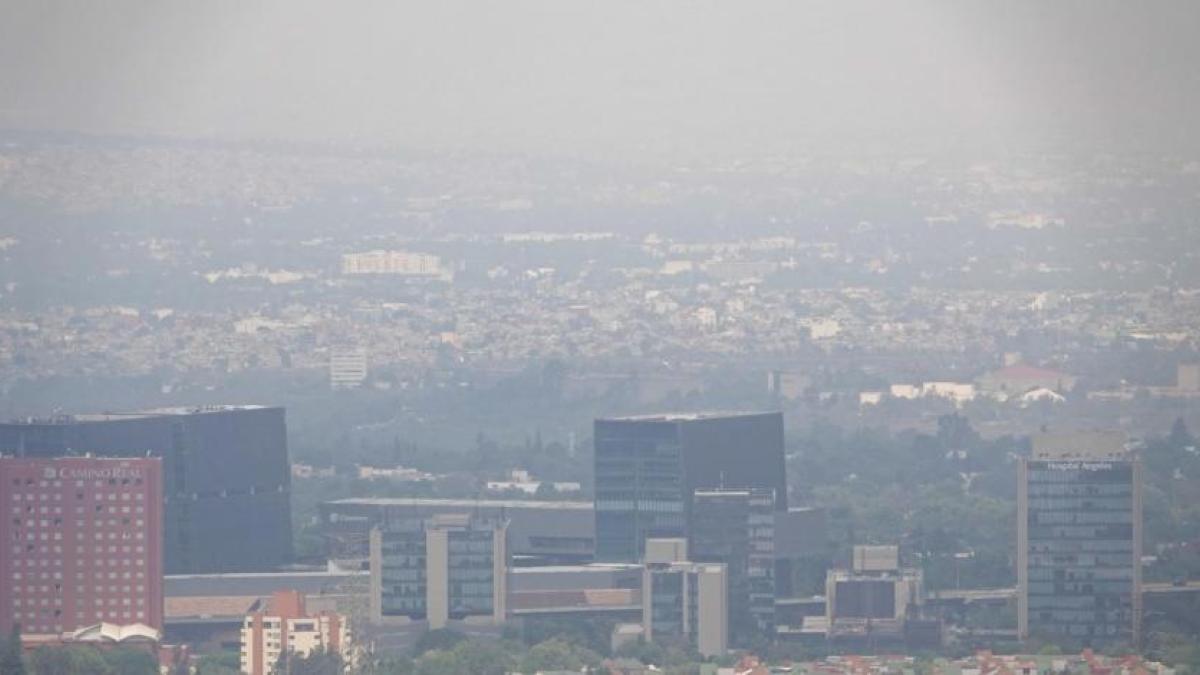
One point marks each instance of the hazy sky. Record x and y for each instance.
(613, 75)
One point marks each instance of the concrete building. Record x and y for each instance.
(226, 480)
(520, 480)
(452, 567)
(647, 469)
(400, 263)
(1187, 377)
(1079, 540)
(597, 576)
(347, 368)
(285, 629)
(539, 532)
(207, 611)
(82, 543)
(737, 528)
(874, 599)
(801, 547)
(1015, 380)
(683, 600)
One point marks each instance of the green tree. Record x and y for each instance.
(438, 662)
(1184, 657)
(442, 639)
(545, 490)
(11, 662)
(486, 657)
(1050, 649)
(649, 653)
(385, 665)
(127, 661)
(224, 663)
(316, 662)
(73, 660)
(558, 654)
(1180, 436)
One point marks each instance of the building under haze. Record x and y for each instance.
(1079, 539)
(347, 368)
(286, 629)
(453, 567)
(648, 468)
(226, 481)
(684, 600)
(539, 532)
(82, 543)
(737, 528)
(875, 601)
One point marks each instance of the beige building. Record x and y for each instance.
(347, 368)
(875, 597)
(402, 263)
(1187, 377)
(452, 568)
(1014, 380)
(682, 599)
(284, 628)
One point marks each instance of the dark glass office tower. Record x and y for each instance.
(737, 528)
(648, 468)
(1079, 549)
(226, 479)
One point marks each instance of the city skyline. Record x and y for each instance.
(679, 337)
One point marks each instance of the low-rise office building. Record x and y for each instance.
(539, 532)
(683, 600)
(453, 567)
(874, 599)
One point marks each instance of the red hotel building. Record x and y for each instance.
(80, 543)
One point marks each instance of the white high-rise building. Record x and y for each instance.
(402, 263)
(347, 368)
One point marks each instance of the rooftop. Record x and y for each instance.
(253, 584)
(575, 569)
(66, 419)
(466, 503)
(687, 417)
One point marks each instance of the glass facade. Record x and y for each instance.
(226, 478)
(471, 572)
(1080, 550)
(737, 527)
(402, 572)
(666, 603)
(685, 603)
(639, 487)
(865, 599)
(413, 583)
(648, 468)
